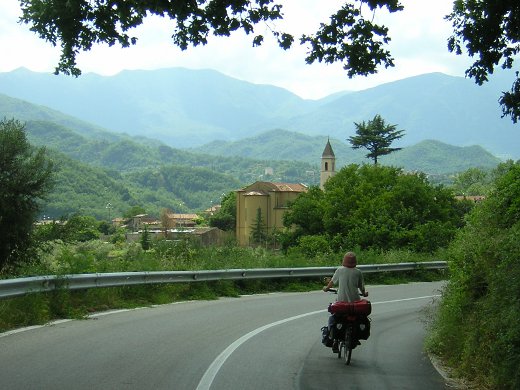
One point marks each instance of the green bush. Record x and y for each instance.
(311, 246)
(478, 327)
(376, 207)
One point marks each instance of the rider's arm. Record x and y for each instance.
(329, 285)
(361, 286)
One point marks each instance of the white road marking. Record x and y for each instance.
(406, 299)
(212, 371)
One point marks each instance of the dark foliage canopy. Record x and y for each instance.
(25, 179)
(490, 31)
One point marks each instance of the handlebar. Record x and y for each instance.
(335, 291)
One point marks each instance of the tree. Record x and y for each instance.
(306, 213)
(380, 207)
(133, 211)
(376, 136)
(473, 181)
(258, 234)
(146, 240)
(106, 228)
(226, 217)
(80, 228)
(26, 177)
(489, 30)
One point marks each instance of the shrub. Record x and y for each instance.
(311, 246)
(478, 328)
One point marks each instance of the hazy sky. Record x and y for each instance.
(419, 35)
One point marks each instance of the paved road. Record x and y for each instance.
(258, 342)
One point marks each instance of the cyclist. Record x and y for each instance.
(350, 281)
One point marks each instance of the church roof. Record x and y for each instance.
(328, 152)
(264, 187)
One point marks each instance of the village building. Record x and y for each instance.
(140, 221)
(272, 199)
(182, 220)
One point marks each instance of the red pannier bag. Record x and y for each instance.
(361, 307)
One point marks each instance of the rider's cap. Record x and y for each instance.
(349, 260)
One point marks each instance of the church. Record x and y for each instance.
(272, 199)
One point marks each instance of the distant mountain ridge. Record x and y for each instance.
(187, 108)
(99, 147)
(177, 106)
(96, 167)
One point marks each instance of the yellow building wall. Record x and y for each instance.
(273, 205)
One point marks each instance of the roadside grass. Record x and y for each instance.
(92, 257)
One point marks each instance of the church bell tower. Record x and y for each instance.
(328, 162)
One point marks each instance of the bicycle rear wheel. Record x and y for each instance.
(347, 345)
(340, 348)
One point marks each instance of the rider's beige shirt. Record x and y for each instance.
(350, 280)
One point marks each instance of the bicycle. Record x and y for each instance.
(351, 323)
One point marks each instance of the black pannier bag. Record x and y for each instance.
(325, 339)
(363, 328)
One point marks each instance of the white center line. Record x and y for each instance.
(213, 369)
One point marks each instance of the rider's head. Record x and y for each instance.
(349, 260)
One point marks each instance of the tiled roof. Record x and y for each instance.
(264, 187)
(328, 152)
(296, 187)
(182, 216)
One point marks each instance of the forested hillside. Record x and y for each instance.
(87, 190)
(91, 173)
(435, 157)
(127, 154)
(428, 156)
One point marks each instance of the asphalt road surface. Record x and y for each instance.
(270, 341)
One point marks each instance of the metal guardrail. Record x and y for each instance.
(16, 287)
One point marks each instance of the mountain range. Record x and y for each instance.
(96, 167)
(186, 108)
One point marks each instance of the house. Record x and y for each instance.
(271, 199)
(118, 222)
(138, 222)
(181, 220)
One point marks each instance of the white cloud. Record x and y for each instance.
(418, 45)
